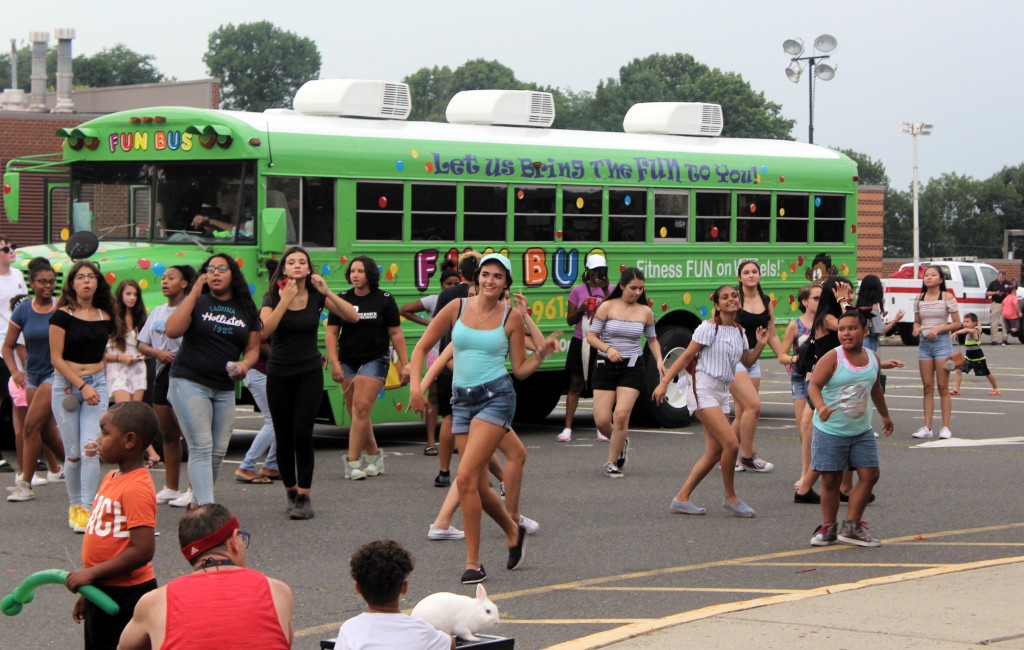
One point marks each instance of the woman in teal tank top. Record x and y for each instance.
(483, 399)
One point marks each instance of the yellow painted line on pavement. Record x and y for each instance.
(577, 584)
(917, 542)
(865, 564)
(737, 590)
(609, 637)
(576, 621)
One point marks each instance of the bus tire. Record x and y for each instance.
(906, 334)
(664, 415)
(538, 395)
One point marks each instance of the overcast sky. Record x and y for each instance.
(941, 62)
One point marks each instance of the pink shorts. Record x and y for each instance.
(17, 394)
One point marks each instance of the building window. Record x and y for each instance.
(379, 211)
(581, 214)
(791, 222)
(535, 214)
(485, 212)
(433, 212)
(627, 215)
(713, 216)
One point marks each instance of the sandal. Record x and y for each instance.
(995, 392)
(430, 450)
(953, 391)
(243, 476)
(273, 476)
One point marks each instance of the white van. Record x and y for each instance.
(967, 279)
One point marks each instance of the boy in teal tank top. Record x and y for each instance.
(842, 382)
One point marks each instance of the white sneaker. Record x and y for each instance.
(56, 477)
(183, 500)
(601, 437)
(38, 480)
(945, 433)
(530, 525)
(451, 533)
(167, 494)
(21, 492)
(565, 436)
(374, 464)
(924, 432)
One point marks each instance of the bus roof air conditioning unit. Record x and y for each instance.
(502, 108)
(674, 118)
(354, 98)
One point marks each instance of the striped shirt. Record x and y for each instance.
(623, 335)
(935, 313)
(723, 348)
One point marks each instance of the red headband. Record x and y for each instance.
(213, 540)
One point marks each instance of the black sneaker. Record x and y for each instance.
(611, 470)
(621, 461)
(5, 467)
(845, 498)
(809, 497)
(443, 480)
(473, 576)
(517, 553)
(303, 508)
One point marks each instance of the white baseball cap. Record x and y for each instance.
(596, 261)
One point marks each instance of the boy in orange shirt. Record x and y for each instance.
(119, 540)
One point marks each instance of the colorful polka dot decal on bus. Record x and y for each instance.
(399, 165)
(158, 269)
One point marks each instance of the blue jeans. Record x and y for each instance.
(264, 442)
(78, 427)
(207, 416)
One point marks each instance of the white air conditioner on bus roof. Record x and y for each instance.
(674, 118)
(354, 98)
(501, 108)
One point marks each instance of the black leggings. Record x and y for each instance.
(294, 401)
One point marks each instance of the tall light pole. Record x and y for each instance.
(794, 47)
(915, 129)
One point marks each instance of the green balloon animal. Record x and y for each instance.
(25, 592)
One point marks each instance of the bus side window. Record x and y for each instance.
(753, 217)
(792, 218)
(485, 212)
(433, 212)
(627, 215)
(379, 208)
(671, 216)
(535, 214)
(713, 218)
(829, 219)
(581, 214)
(309, 209)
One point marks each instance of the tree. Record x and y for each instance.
(432, 88)
(117, 66)
(24, 56)
(870, 171)
(680, 78)
(260, 66)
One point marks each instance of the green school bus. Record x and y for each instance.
(343, 174)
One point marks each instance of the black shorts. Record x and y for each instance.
(609, 375)
(161, 382)
(103, 630)
(979, 366)
(444, 394)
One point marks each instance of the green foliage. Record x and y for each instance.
(431, 89)
(117, 66)
(25, 68)
(871, 171)
(260, 66)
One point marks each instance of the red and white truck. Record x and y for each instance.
(967, 279)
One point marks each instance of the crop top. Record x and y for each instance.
(750, 322)
(623, 335)
(84, 340)
(479, 355)
(935, 313)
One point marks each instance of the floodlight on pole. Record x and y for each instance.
(915, 129)
(794, 47)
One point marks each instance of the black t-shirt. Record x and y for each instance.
(85, 341)
(457, 292)
(368, 338)
(294, 348)
(218, 333)
(1003, 288)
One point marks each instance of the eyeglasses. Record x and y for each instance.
(223, 268)
(86, 276)
(41, 281)
(745, 260)
(9, 248)
(244, 536)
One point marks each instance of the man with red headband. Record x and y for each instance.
(243, 603)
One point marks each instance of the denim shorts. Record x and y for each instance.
(34, 380)
(378, 369)
(831, 453)
(939, 347)
(799, 386)
(493, 401)
(754, 371)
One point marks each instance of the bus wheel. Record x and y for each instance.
(906, 334)
(538, 395)
(673, 341)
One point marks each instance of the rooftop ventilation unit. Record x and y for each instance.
(354, 98)
(674, 118)
(502, 108)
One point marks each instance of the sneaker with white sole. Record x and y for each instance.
(621, 461)
(72, 516)
(565, 436)
(825, 535)
(856, 533)
(611, 470)
(21, 492)
(451, 533)
(55, 477)
(923, 432)
(38, 480)
(354, 471)
(530, 525)
(945, 433)
(81, 520)
(756, 464)
(183, 500)
(501, 489)
(374, 464)
(167, 494)
(601, 437)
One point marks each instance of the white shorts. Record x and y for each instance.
(712, 392)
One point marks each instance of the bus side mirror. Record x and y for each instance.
(272, 231)
(12, 189)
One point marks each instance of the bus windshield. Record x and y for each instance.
(165, 202)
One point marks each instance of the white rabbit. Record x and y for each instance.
(458, 615)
